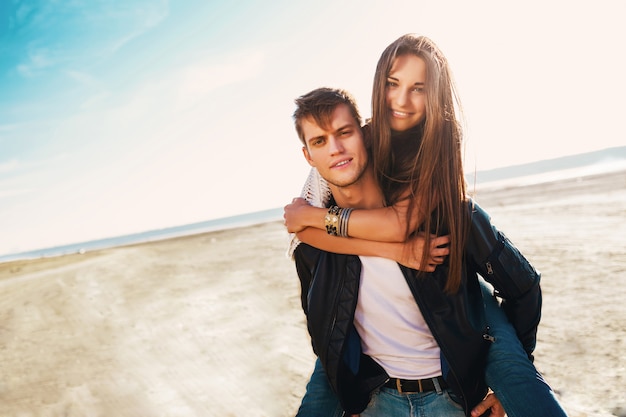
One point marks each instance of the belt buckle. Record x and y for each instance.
(399, 386)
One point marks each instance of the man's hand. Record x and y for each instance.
(491, 403)
(410, 253)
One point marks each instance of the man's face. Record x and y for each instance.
(338, 152)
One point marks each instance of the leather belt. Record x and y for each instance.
(418, 385)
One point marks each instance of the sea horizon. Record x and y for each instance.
(581, 165)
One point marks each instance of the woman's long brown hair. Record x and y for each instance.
(434, 176)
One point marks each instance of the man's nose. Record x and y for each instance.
(335, 145)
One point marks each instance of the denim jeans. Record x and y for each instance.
(389, 402)
(320, 399)
(510, 374)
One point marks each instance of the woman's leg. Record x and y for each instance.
(320, 399)
(510, 374)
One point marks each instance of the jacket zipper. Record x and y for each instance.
(442, 347)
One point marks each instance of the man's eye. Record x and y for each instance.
(318, 142)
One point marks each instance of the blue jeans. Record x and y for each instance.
(509, 373)
(389, 402)
(320, 399)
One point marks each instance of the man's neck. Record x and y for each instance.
(364, 194)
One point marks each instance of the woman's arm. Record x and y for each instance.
(408, 254)
(387, 224)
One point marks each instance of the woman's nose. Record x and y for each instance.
(401, 98)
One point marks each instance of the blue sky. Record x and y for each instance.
(123, 116)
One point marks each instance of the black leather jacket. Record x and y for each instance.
(330, 284)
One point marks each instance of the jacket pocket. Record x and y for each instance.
(508, 270)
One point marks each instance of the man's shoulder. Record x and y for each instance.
(306, 253)
(305, 249)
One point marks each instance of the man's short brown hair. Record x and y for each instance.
(320, 104)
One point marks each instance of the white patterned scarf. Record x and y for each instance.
(317, 193)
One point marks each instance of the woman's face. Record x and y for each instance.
(406, 97)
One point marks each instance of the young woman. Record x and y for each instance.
(416, 152)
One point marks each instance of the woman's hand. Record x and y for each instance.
(295, 215)
(410, 253)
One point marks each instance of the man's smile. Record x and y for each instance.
(341, 163)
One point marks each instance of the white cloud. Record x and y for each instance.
(82, 77)
(22, 11)
(131, 19)
(38, 60)
(158, 105)
(105, 28)
(9, 166)
(197, 80)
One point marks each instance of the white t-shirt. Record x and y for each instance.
(391, 326)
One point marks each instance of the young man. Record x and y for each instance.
(386, 338)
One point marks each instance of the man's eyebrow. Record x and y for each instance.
(344, 127)
(339, 129)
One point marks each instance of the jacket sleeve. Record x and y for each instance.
(514, 279)
(305, 257)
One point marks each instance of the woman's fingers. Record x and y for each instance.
(439, 241)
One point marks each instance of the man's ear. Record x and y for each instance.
(307, 156)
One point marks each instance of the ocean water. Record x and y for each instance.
(608, 160)
(242, 220)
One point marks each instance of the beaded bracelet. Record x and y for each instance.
(331, 220)
(336, 221)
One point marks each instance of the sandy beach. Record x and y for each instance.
(211, 325)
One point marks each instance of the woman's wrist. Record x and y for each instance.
(336, 221)
(314, 217)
